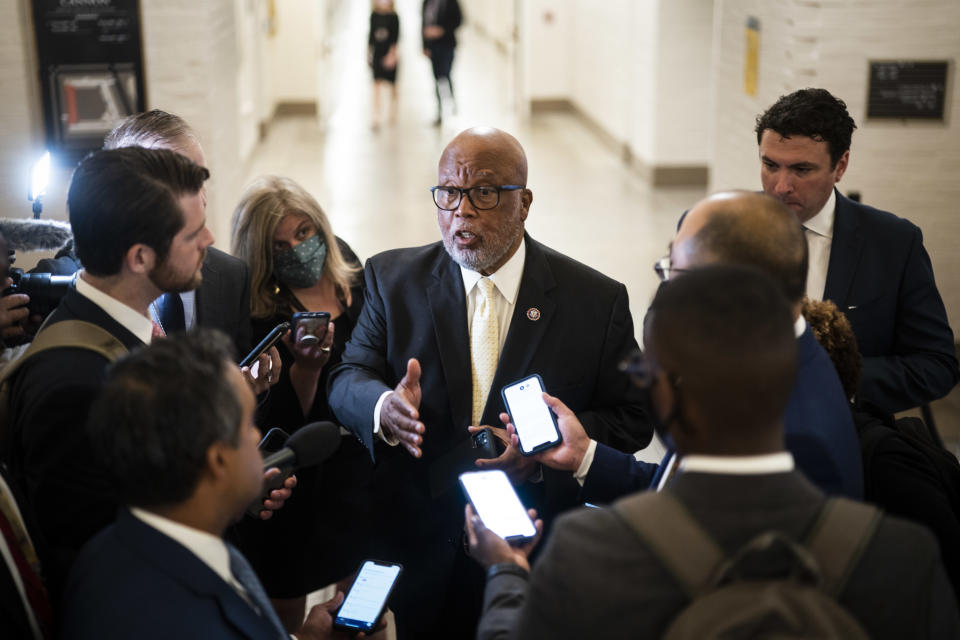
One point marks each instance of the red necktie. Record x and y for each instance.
(32, 584)
(158, 331)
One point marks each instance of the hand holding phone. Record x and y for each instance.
(535, 424)
(496, 503)
(270, 340)
(309, 327)
(367, 598)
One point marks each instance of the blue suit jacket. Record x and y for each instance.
(818, 426)
(880, 276)
(132, 581)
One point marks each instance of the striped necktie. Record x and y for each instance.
(484, 346)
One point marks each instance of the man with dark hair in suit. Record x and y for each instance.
(444, 327)
(174, 428)
(720, 356)
(870, 263)
(139, 226)
(749, 229)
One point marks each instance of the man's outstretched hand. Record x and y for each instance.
(400, 412)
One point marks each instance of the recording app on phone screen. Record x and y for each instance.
(367, 595)
(530, 414)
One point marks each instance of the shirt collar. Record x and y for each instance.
(506, 278)
(209, 548)
(822, 223)
(128, 317)
(799, 326)
(781, 462)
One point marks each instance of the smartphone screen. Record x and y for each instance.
(535, 424)
(497, 504)
(364, 603)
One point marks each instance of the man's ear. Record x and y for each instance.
(140, 258)
(841, 167)
(526, 199)
(218, 460)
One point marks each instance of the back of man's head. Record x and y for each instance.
(122, 197)
(160, 410)
(724, 336)
(753, 229)
(814, 113)
(150, 129)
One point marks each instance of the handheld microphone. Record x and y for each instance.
(308, 446)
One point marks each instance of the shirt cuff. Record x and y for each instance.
(506, 567)
(389, 439)
(580, 475)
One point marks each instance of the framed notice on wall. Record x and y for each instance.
(91, 69)
(915, 90)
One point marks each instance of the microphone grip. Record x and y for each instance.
(285, 460)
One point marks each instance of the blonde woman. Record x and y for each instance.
(298, 264)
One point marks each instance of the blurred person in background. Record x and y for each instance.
(382, 55)
(440, 20)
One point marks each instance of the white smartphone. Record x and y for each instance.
(535, 423)
(497, 504)
(367, 598)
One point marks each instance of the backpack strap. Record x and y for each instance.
(838, 539)
(77, 334)
(688, 552)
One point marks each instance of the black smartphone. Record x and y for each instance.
(314, 326)
(271, 339)
(496, 502)
(271, 442)
(365, 602)
(535, 423)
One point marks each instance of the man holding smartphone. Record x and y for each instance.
(444, 327)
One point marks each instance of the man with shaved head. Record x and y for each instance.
(740, 228)
(443, 329)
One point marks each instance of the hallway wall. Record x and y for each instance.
(908, 167)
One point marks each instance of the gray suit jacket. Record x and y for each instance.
(223, 298)
(596, 578)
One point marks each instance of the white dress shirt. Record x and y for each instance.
(129, 318)
(819, 232)
(506, 281)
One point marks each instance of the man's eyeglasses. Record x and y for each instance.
(665, 270)
(482, 198)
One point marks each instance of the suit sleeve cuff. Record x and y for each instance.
(580, 475)
(506, 568)
(389, 439)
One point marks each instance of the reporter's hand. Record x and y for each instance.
(319, 622)
(268, 372)
(488, 549)
(400, 412)
(519, 468)
(567, 455)
(310, 358)
(13, 312)
(277, 497)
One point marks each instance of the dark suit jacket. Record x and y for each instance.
(819, 432)
(415, 306)
(48, 455)
(223, 298)
(597, 579)
(880, 276)
(132, 581)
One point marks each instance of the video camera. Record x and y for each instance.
(45, 289)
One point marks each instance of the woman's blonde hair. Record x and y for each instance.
(266, 202)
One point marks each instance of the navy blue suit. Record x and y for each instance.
(132, 581)
(880, 276)
(819, 432)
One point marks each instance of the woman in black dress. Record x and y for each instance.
(298, 264)
(382, 54)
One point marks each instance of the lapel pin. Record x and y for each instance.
(533, 314)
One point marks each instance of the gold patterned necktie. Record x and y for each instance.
(484, 346)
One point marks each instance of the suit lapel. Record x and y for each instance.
(845, 252)
(172, 558)
(448, 309)
(526, 329)
(206, 294)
